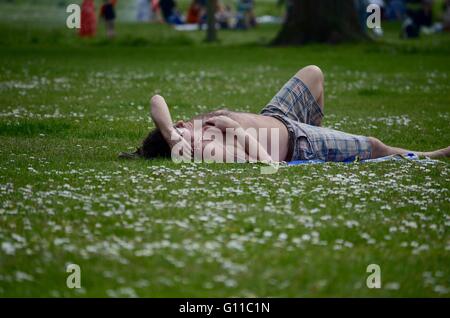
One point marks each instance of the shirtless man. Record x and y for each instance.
(295, 113)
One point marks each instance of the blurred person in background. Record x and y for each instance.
(108, 14)
(156, 11)
(245, 14)
(224, 16)
(88, 19)
(193, 14)
(202, 13)
(143, 12)
(167, 9)
(395, 10)
(170, 12)
(176, 18)
(419, 16)
(446, 16)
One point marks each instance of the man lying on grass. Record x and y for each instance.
(288, 129)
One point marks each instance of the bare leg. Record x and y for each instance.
(313, 77)
(379, 149)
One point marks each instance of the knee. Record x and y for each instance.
(314, 72)
(376, 145)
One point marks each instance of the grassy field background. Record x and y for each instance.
(155, 228)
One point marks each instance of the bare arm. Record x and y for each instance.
(246, 140)
(159, 111)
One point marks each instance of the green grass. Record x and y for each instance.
(155, 228)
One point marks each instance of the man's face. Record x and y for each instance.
(186, 131)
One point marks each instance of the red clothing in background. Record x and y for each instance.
(88, 18)
(193, 14)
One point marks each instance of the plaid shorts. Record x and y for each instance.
(296, 107)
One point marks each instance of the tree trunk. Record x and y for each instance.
(323, 21)
(211, 34)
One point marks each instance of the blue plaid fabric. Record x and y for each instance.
(296, 107)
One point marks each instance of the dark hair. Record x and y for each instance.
(154, 146)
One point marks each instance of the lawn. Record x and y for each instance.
(160, 229)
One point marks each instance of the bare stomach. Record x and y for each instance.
(271, 133)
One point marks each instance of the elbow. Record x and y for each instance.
(156, 99)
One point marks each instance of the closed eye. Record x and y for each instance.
(178, 130)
